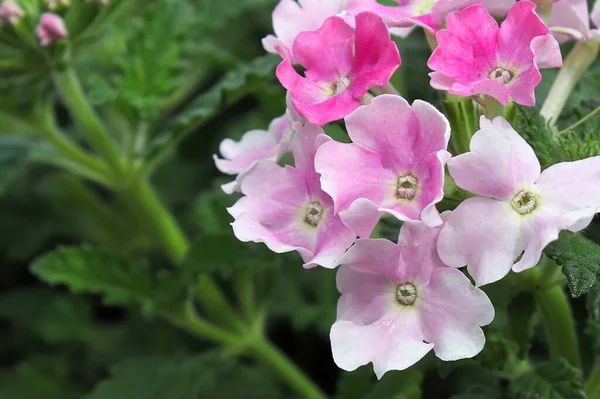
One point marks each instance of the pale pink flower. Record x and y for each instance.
(474, 56)
(341, 65)
(10, 13)
(395, 163)
(431, 14)
(255, 145)
(285, 208)
(570, 19)
(51, 29)
(520, 210)
(399, 301)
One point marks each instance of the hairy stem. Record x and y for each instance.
(71, 92)
(557, 316)
(576, 63)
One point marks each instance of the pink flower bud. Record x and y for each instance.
(10, 13)
(51, 29)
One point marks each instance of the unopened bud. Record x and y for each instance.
(10, 13)
(51, 29)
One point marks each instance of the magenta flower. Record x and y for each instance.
(255, 145)
(395, 163)
(341, 65)
(10, 13)
(476, 57)
(520, 210)
(285, 208)
(399, 301)
(571, 19)
(51, 29)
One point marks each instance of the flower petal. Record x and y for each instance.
(483, 234)
(500, 162)
(451, 313)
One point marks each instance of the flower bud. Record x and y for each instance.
(10, 13)
(51, 29)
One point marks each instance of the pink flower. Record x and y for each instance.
(399, 301)
(431, 14)
(10, 13)
(290, 18)
(520, 209)
(571, 19)
(395, 164)
(476, 57)
(51, 29)
(341, 65)
(255, 145)
(285, 208)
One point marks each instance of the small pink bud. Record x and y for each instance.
(51, 29)
(10, 13)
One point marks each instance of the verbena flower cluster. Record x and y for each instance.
(401, 300)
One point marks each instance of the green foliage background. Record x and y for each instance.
(90, 305)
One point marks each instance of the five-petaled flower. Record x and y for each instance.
(395, 163)
(399, 301)
(519, 210)
(342, 64)
(475, 56)
(285, 208)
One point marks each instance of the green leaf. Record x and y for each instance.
(54, 317)
(163, 377)
(552, 380)
(395, 385)
(120, 280)
(39, 377)
(535, 130)
(224, 254)
(593, 322)
(580, 261)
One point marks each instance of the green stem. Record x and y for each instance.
(71, 92)
(271, 355)
(579, 122)
(145, 201)
(557, 316)
(164, 225)
(592, 386)
(70, 150)
(575, 65)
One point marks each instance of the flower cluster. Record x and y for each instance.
(400, 300)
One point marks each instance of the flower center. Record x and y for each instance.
(313, 214)
(406, 187)
(524, 202)
(424, 7)
(502, 75)
(406, 294)
(341, 85)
